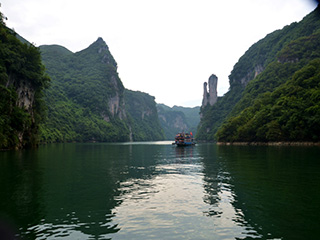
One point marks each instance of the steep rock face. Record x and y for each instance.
(143, 120)
(25, 97)
(106, 55)
(114, 93)
(210, 97)
(172, 122)
(116, 103)
(25, 101)
(114, 106)
(179, 123)
(22, 81)
(25, 93)
(178, 119)
(249, 76)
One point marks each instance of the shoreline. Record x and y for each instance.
(269, 143)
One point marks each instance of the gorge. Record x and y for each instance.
(273, 95)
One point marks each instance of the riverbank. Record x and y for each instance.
(270, 143)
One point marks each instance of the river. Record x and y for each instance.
(153, 190)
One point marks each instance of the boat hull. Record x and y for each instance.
(185, 144)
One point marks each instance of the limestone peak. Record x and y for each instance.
(210, 96)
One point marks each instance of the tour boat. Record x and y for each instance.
(184, 139)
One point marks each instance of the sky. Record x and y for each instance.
(166, 48)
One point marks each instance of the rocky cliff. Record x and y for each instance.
(116, 104)
(210, 97)
(98, 57)
(22, 81)
(143, 118)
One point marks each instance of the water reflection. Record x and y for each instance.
(152, 191)
(166, 204)
(71, 194)
(220, 195)
(85, 183)
(21, 190)
(127, 191)
(276, 189)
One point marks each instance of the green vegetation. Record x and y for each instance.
(265, 51)
(143, 116)
(274, 90)
(22, 81)
(213, 116)
(178, 119)
(289, 113)
(88, 102)
(192, 116)
(83, 84)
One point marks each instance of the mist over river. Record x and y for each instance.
(154, 190)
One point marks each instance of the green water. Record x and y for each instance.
(159, 191)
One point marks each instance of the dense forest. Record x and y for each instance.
(142, 116)
(22, 81)
(274, 90)
(79, 95)
(88, 102)
(85, 101)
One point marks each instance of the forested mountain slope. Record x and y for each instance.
(143, 116)
(22, 81)
(274, 90)
(86, 101)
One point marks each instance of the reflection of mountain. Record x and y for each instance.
(212, 181)
(80, 184)
(73, 189)
(276, 189)
(85, 185)
(95, 190)
(21, 190)
(220, 196)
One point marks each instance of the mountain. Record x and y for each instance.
(86, 100)
(178, 119)
(22, 81)
(274, 90)
(143, 116)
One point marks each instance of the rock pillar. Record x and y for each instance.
(211, 96)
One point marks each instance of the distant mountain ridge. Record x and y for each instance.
(178, 119)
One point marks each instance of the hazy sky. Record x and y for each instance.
(167, 48)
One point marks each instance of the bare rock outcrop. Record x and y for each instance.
(210, 96)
